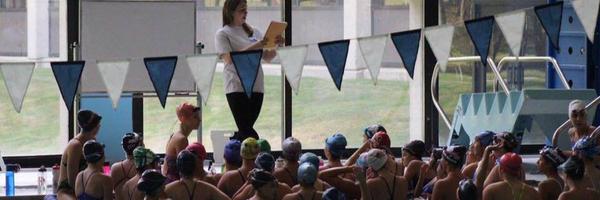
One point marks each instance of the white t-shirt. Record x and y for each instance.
(230, 39)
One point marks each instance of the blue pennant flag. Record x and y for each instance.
(334, 54)
(68, 75)
(407, 45)
(247, 64)
(550, 16)
(161, 70)
(480, 30)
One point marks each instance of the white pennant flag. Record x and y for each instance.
(587, 10)
(372, 49)
(17, 77)
(202, 68)
(440, 39)
(113, 74)
(512, 25)
(292, 60)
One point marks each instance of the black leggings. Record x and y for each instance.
(245, 112)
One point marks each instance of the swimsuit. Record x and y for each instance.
(86, 196)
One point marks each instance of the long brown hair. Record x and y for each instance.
(229, 10)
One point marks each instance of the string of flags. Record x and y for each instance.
(17, 76)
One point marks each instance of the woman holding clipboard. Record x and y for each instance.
(237, 35)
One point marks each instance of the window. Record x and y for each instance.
(319, 110)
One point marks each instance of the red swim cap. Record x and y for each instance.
(197, 149)
(381, 140)
(186, 111)
(511, 163)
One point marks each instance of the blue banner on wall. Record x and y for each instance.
(480, 30)
(247, 64)
(334, 54)
(407, 46)
(161, 70)
(550, 16)
(68, 75)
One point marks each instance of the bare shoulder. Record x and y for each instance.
(291, 196)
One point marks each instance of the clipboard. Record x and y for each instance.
(275, 29)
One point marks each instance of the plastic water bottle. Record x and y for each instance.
(41, 181)
(10, 183)
(55, 174)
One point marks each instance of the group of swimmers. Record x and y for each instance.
(487, 169)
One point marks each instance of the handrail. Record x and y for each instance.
(551, 60)
(434, 79)
(567, 123)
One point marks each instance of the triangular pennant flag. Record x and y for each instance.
(440, 40)
(334, 54)
(68, 75)
(161, 70)
(17, 77)
(202, 68)
(372, 49)
(407, 45)
(292, 60)
(247, 64)
(113, 74)
(550, 16)
(587, 10)
(512, 25)
(480, 30)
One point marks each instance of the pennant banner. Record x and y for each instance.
(372, 49)
(550, 16)
(407, 45)
(440, 40)
(113, 74)
(292, 61)
(480, 31)
(161, 70)
(68, 75)
(587, 10)
(202, 68)
(17, 77)
(512, 25)
(247, 64)
(334, 54)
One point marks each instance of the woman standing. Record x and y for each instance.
(236, 35)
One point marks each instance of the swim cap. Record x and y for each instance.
(310, 158)
(186, 111)
(376, 159)
(455, 155)
(362, 160)
(88, 120)
(198, 150)
(264, 145)
(232, 152)
(510, 141)
(265, 161)
(485, 138)
(151, 181)
(143, 157)
(586, 147)
(260, 177)
(130, 141)
(249, 149)
(467, 190)
(553, 155)
(333, 194)
(371, 130)
(511, 163)
(381, 140)
(307, 173)
(291, 149)
(336, 144)
(576, 105)
(93, 151)
(573, 168)
(186, 163)
(415, 148)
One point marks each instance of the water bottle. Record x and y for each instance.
(55, 174)
(41, 181)
(10, 183)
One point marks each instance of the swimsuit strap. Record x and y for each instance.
(126, 174)
(518, 197)
(87, 180)
(242, 176)
(390, 191)
(291, 176)
(190, 194)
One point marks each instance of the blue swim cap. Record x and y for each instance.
(232, 152)
(307, 173)
(336, 144)
(485, 138)
(310, 158)
(265, 161)
(586, 147)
